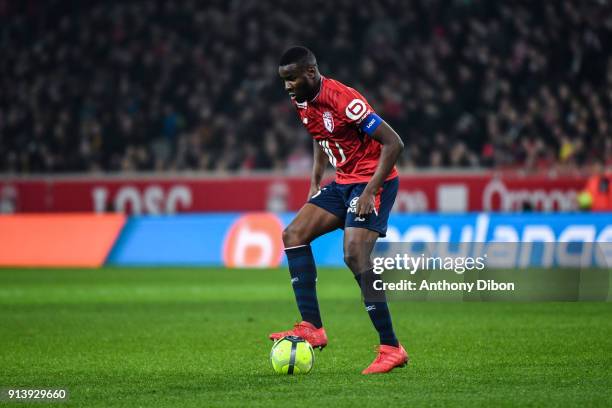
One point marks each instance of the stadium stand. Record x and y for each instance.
(183, 85)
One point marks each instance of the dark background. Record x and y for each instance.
(192, 85)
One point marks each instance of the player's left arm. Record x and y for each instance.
(392, 147)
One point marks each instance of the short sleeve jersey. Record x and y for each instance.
(336, 119)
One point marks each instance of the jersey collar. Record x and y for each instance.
(320, 89)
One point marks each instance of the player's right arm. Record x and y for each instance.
(318, 168)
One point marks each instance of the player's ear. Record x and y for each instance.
(311, 72)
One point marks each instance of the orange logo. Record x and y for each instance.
(254, 241)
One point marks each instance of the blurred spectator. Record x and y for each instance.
(597, 194)
(188, 85)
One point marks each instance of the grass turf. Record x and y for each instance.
(197, 337)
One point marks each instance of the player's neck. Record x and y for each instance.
(317, 88)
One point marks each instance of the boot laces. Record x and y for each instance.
(381, 354)
(299, 327)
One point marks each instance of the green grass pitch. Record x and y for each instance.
(198, 337)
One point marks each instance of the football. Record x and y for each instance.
(292, 355)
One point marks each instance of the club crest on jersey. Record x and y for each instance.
(328, 121)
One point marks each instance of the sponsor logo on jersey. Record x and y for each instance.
(328, 121)
(356, 109)
(370, 123)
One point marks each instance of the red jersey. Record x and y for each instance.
(333, 118)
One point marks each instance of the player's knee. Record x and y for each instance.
(350, 260)
(293, 236)
(355, 259)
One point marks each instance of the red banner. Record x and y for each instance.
(146, 195)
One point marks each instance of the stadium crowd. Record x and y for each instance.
(189, 85)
